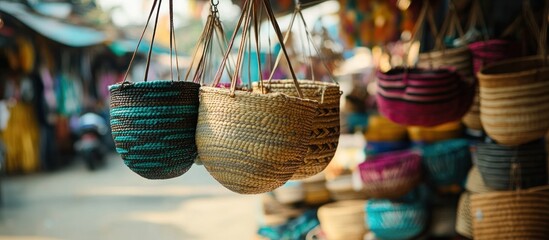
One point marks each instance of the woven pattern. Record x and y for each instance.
(343, 220)
(514, 100)
(153, 125)
(464, 221)
(393, 220)
(253, 143)
(511, 215)
(391, 175)
(326, 126)
(508, 168)
(447, 162)
(422, 97)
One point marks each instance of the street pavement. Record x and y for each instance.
(115, 203)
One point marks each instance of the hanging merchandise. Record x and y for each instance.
(326, 127)
(253, 142)
(423, 97)
(485, 52)
(510, 168)
(26, 54)
(397, 220)
(447, 164)
(381, 129)
(457, 56)
(391, 175)
(343, 220)
(22, 137)
(373, 22)
(521, 214)
(464, 220)
(515, 93)
(154, 122)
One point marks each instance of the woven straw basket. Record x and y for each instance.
(460, 58)
(153, 125)
(475, 183)
(251, 142)
(326, 128)
(343, 220)
(515, 100)
(447, 162)
(511, 214)
(464, 221)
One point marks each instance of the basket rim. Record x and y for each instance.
(484, 74)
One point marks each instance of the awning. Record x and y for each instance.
(56, 30)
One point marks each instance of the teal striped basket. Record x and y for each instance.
(390, 220)
(447, 163)
(154, 125)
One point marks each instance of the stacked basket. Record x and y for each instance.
(384, 135)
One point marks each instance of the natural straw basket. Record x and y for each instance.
(464, 221)
(522, 214)
(391, 175)
(343, 220)
(252, 142)
(326, 128)
(514, 106)
(475, 183)
(154, 124)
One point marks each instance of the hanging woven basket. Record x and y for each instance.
(326, 128)
(153, 123)
(253, 142)
(396, 220)
(447, 163)
(464, 221)
(343, 220)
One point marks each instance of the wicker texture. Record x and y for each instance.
(514, 100)
(343, 220)
(460, 58)
(511, 214)
(326, 127)
(253, 143)
(447, 162)
(508, 168)
(391, 175)
(464, 221)
(395, 221)
(154, 124)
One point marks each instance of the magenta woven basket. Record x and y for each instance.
(423, 97)
(391, 175)
(494, 50)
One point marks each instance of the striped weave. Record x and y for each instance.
(153, 125)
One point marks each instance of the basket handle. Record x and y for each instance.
(426, 14)
(298, 13)
(540, 32)
(173, 45)
(204, 46)
(251, 9)
(476, 17)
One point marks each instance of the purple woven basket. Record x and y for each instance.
(423, 97)
(391, 175)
